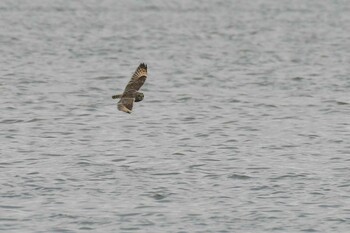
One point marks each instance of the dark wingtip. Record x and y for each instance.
(143, 65)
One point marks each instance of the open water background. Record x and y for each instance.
(244, 127)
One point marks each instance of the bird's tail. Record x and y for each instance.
(116, 96)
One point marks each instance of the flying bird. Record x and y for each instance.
(131, 93)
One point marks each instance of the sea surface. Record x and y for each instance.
(245, 125)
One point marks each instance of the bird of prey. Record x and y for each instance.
(131, 93)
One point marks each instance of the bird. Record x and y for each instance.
(131, 93)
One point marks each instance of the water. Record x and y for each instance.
(244, 126)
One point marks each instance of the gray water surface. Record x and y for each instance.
(244, 126)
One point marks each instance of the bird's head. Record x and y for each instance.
(139, 96)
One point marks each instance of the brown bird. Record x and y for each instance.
(131, 93)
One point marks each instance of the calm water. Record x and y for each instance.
(244, 126)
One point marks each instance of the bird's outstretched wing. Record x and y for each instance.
(125, 104)
(137, 79)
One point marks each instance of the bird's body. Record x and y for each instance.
(131, 93)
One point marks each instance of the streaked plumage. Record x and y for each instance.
(131, 93)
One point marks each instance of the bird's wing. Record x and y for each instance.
(137, 79)
(125, 104)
